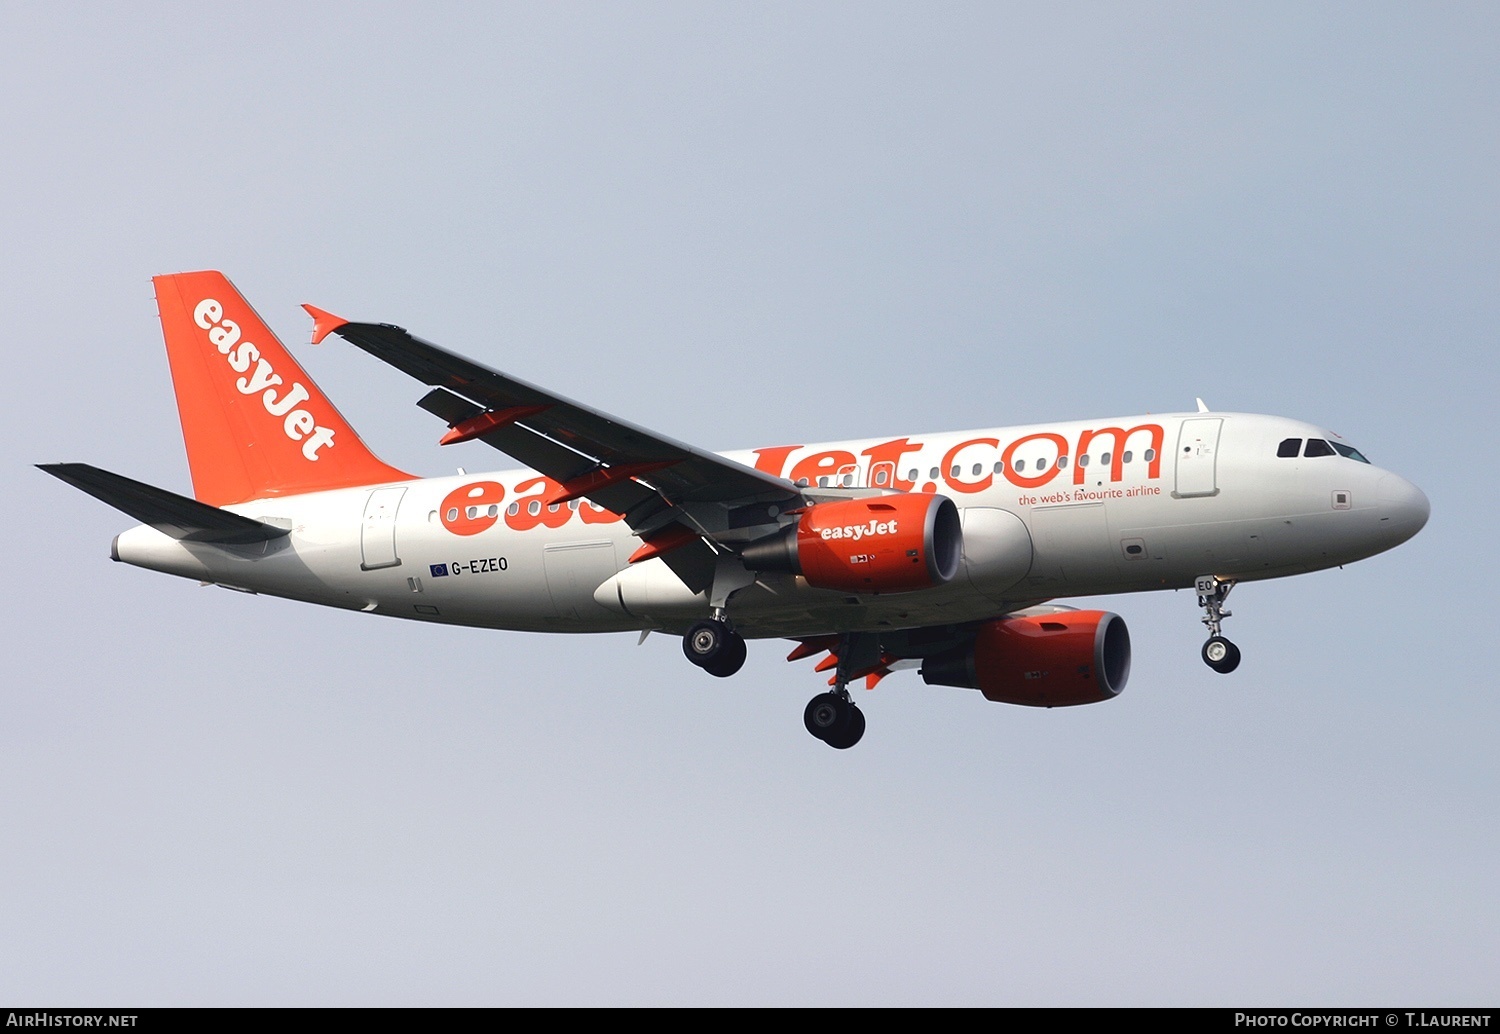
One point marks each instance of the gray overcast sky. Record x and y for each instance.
(744, 224)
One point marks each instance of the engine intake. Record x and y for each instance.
(889, 543)
(1045, 660)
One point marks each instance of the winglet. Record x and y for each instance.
(324, 322)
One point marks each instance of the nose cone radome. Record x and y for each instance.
(1404, 508)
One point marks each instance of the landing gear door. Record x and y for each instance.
(377, 541)
(1197, 458)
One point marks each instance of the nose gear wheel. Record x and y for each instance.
(1221, 655)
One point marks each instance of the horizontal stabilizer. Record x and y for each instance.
(167, 512)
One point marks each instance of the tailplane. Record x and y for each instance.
(254, 423)
(169, 513)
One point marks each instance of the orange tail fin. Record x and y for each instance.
(255, 424)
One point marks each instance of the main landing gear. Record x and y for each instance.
(1218, 653)
(715, 647)
(834, 719)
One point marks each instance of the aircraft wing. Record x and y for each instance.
(612, 462)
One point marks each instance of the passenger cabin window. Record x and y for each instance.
(1289, 448)
(1318, 447)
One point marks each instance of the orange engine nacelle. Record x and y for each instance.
(1048, 660)
(888, 543)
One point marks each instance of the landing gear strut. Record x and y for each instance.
(1218, 653)
(715, 647)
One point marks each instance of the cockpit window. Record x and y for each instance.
(1349, 452)
(1318, 447)
(1289, 448)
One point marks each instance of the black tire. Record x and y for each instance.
(826, 715)
(851, 733)
(1221, 655)
(705, 642)
(730, 659)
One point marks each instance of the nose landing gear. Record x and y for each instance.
(1218, 653)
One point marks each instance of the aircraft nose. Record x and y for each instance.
(1404, 508)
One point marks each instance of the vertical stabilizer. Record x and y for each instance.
(254, 423)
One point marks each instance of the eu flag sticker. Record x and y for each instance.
(439, 570)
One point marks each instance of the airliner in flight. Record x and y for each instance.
(937, 552)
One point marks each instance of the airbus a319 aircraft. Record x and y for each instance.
(938, 552)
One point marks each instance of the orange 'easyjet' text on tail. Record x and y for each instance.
(254, 423)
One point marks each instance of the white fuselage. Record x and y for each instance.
(1055, 510)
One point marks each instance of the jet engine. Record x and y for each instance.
(1043, 660)
(888, 543)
